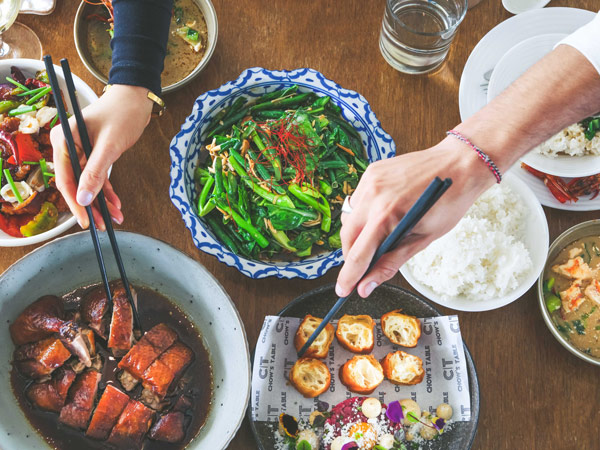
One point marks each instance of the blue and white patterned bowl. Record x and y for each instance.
(186, 146)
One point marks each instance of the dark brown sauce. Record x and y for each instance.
(196, 383)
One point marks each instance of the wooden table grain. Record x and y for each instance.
(535, 395)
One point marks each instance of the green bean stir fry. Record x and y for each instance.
(275, 173)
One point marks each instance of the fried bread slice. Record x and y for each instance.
(401, 329)
(310, 377)
(361, 374)
(320, 347)
(402, 368)
(355, 333)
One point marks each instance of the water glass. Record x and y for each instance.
(416, 34)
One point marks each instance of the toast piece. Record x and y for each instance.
(355, 333)
(320, 347)
(310, 377)
(361, 374)
(401, 368)
(401, 329)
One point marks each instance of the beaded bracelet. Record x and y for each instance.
(484, 157)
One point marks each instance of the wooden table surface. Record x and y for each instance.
(535, 394)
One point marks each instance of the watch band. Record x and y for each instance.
(159, 106)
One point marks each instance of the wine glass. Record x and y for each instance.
(16, 39)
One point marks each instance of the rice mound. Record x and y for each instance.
(483, 257)
(570, 141)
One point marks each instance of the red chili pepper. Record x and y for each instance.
(27, 148)
(558, 191)
(34, 83)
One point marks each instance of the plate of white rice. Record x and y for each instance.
(493, 255)
(566, 154)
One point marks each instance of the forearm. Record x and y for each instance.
(141, 31)
(561, 89)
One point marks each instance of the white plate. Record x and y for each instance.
(41, 7)
(547, 199)
(536, 240)
(69, 262)
(511, 66)
(500, 39)
(520, 6)
(86, 95)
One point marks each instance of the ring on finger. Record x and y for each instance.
(346, 207)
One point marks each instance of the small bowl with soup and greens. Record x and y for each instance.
(569, 290)
(192, 40)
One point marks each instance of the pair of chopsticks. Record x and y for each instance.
(87, 148)
(424, 203)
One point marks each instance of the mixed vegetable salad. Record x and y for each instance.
(29, 201)
(275, 173)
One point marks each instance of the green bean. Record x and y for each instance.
(287, 102)
(242, 223)
(325, 187)
(234, 107)
(232, 185)
(227, 123)
(222, 234)
(269, 154)
(272, 114)
(333, 164)
(277, 94)
(304, 194)
(282, 200)
(219, 186)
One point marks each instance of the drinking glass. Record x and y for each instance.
(16, 39)
(416, 34)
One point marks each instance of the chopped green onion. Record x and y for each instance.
(54, 121)
(13, 186)
(33, 91)
(44, 168)
(49, 174)
(31, 163)
(22, 110)
(39, 95)
(192, 34)
(16, 83)
(1, 166)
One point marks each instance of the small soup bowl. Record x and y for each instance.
(79, 31)
(585, 229)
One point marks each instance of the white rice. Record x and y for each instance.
(484, 256)
(570, 141)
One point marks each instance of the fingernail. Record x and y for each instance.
(370, 288)
(117, 221)
(338, 290)
(84, 198)
(79, 223)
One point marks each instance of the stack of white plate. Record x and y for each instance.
(504, 54)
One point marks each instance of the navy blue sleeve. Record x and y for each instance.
(139, 44)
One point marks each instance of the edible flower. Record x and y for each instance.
(350, 446)
(438, 423)
(394, 412)
(288, 425)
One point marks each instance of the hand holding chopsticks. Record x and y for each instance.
(431, 195)
(87, 148)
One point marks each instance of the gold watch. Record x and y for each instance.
(158, 108)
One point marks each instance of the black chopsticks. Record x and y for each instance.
(87, 148)
(423, 204)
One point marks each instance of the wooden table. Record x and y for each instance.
(534, 393)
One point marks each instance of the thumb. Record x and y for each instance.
(93, 176)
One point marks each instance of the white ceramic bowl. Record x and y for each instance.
(536, 240)
(510, 67)
(86, 95)
(69, 262)
(521, 6)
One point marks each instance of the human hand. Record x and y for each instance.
(114, 123)
(386, 192)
